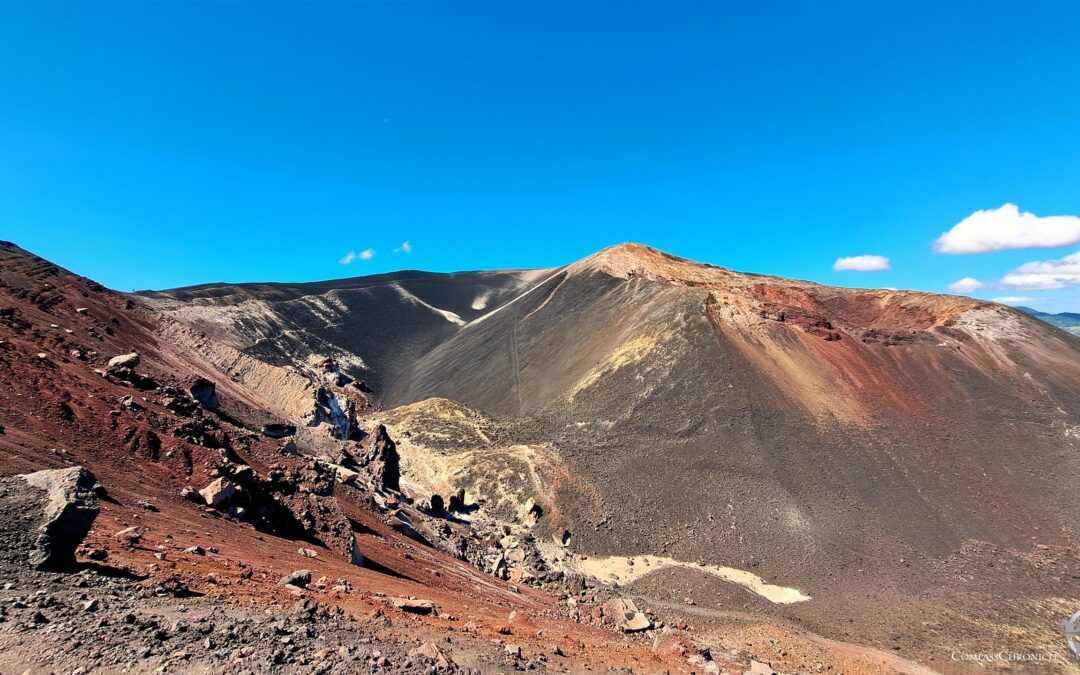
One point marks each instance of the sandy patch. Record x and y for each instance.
(625, 570)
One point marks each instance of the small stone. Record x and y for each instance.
(129, 536)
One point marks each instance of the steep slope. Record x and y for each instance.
(374, 326)
(847, 443)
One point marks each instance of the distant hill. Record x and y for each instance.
(1067, 321)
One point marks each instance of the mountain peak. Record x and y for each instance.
(630, 260)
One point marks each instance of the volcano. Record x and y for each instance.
(893, 470)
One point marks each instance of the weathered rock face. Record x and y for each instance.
(381, 458)
(44, 516)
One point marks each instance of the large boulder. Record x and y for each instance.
(44, 516)
(124, 360)
(218, 493)
(625, 615)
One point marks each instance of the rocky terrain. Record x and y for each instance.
(635, 462)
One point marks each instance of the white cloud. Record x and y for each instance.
(966, 285)
(862, 263)
(1014, 300)
(1045, 275)
(351, 256)
(1008, 228)
(405, 247)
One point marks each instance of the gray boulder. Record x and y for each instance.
(46, 515)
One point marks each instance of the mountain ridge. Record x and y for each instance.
(1067, 321)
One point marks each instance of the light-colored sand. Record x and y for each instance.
(626, 570)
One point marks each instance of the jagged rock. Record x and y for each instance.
(46, 515)
(219, 492)
(125, 360)
(338, 412)
(381, 458)
(299, 578)
(205, 392)
(307, 552)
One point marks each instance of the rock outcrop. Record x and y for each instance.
(45, 516)
(381, 458)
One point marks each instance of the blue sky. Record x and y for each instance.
(155, 145)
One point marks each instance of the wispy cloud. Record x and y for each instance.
(862, 263)
(1007, 228)
(966, 285)
(352, 256)
(1044, 275)
(405, 247)
(1013, 300)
